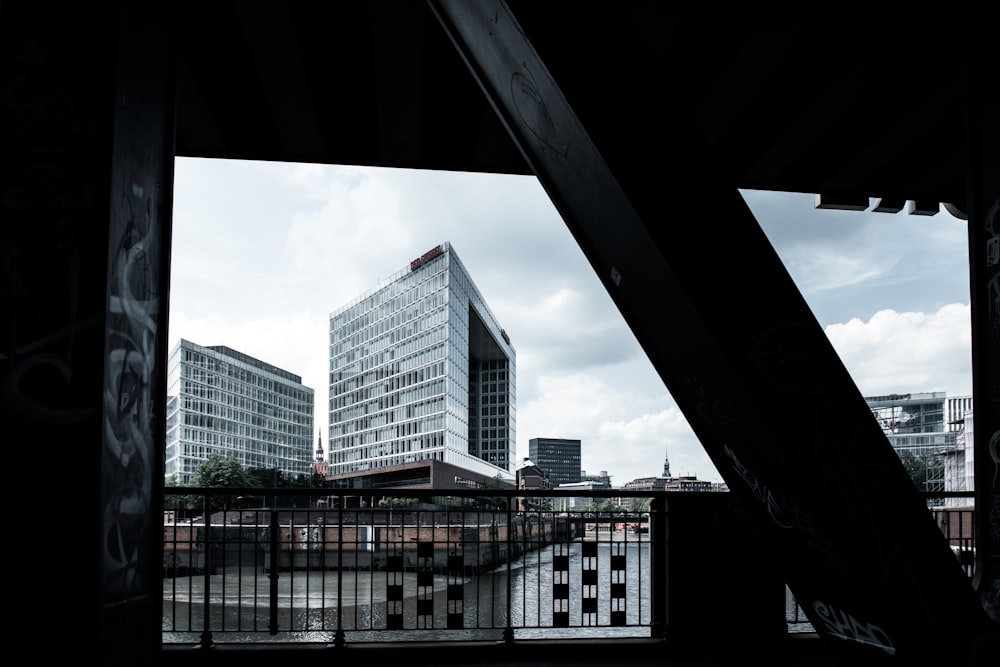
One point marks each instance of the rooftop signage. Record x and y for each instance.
(426, 257)
(888, 397)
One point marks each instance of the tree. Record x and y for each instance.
(391, 502)
(220, 473)
(639, 504)
(273, 478)
(267, 478)
(494, 502)
(172, 502)
(916, 467)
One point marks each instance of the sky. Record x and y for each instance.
(263, 252)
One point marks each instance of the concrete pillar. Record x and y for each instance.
(87, 154)
(983, 214)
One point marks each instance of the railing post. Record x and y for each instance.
(206, 630)
(339, 641)
(658, 546)
(508, 630)
(275, 534)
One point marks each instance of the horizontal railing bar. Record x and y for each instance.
(423, 493)
(462, 493)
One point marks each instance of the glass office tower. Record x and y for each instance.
(559, 458)
(226, 403)
(420, 370)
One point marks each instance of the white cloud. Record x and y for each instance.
(624, 429)
(823, 271)
(564, 329)
(908, 352)
(652, 436)
(357, 233)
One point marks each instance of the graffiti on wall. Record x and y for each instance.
(134, 299)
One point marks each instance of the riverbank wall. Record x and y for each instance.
(454, 542)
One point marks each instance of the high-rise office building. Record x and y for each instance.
(422, 380)
(226, 403)
(558, 457)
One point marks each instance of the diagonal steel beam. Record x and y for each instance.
(727, 330)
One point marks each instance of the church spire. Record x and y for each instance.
(666, 467)
(319, 447)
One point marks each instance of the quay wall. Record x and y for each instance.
(441, 547)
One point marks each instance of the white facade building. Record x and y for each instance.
(934, 427)
(421, 370)
(960, 465)
(226, 403)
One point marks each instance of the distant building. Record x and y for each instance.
(920, 423)
(558, 457)
(531, 478)
(422, 383)
(960, 463)
(651, 483)
(683, 483)
(688, 484)
(601, 480)
(226, 403)
(935, 428)
(646, 484)
(570, 503)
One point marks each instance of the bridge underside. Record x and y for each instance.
(642, 120)
(635, 148)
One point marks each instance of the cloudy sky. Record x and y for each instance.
(264, 252)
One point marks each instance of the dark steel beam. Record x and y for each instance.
(664, 227)
(983, 168)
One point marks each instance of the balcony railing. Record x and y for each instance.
(312, 566)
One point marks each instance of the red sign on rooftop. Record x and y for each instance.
(426, 257)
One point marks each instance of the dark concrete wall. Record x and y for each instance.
(85, 205)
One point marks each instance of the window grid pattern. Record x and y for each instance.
(224, 403)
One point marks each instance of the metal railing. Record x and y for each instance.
(954, 513)
(331, 567)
